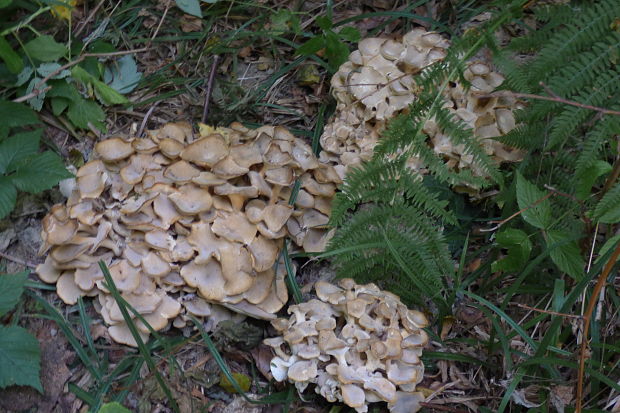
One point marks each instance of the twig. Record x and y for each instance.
(17, 260)
(205, 110)
(35, 92)
(163, 17)
(586, 325)
(553, 98)
(502, 222)
(73, 63)
(84, 22)
(547, 311)
(442, 407)
(146, 118)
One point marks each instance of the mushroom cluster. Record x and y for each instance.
(356, 343)
(184, 221)
(378, 82)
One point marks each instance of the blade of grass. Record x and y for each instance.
(85, 321)
(136, 335)
(226, 371)
(55, 316)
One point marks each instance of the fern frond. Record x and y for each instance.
(608, 208)
(564, 124)
(592, 24)
(383, 181)
(594, 141)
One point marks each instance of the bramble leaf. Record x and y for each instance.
(45, 49)
(122, 75)
(190, 7)
(20, 358)
(18, 147)
(8, 196)
(40, 172)
(567, 256)
(536, 212)
(11, 289)
(519, 247)
(84, 111)
(13, 61)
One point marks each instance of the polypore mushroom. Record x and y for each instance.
(348, 342)
(379, 82)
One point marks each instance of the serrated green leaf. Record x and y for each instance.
(589, 176)
(8, 196)
(336, 51)
(4, 3)
(46, 69)
(59, 105)
(36, 102)
(24, 76)
(12, 60)
(20, 358)
(40, 172)
(324, 23)
(11, 289)
(535, 211)
(16, 114)
(350, 34)
(113, 407)
(18, 147)
(609, 245)
(107, 95)
(519, 248)
(61, 88)
(311, 46)
(45, 49)
(122, 75)
(82, 112)
(567, 256)
(190, 7)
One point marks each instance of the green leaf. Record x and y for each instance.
(18, 147)
(45, 49)
(284, 20)
(535, 211)
(519, 248)
(63, 89)
(609, 245)
(24, 76)
(567, 256)
(113, 407)
(82, 112)
(11, 289)
(122, 75)
(350, 34)
(36, 102)
(13, 61)
(336, 51)
(8, 196)
(4, 3)
(16, 114)
(40, 172)
(586, 180)
(46, 69)
(324, 23)
(190, 7)
(59, 105)
(311, 46)
(20, 358)
(107, 95)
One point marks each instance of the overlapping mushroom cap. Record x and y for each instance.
(172, 215)
(356, 343)
(379, 82)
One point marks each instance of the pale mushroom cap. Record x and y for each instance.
(302, 370)
(121, 334)
(113, 149)
(353, 395)
(67, 289)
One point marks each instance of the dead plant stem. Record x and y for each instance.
(586, 325)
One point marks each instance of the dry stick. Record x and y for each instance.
(442, 407)
(205, 110)
(17, 260)
(553, 98)
(35, 92)
(146, 118)
(73, 63)
(540, 310)
(502, 222)
(83, 24)
(586, 324)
